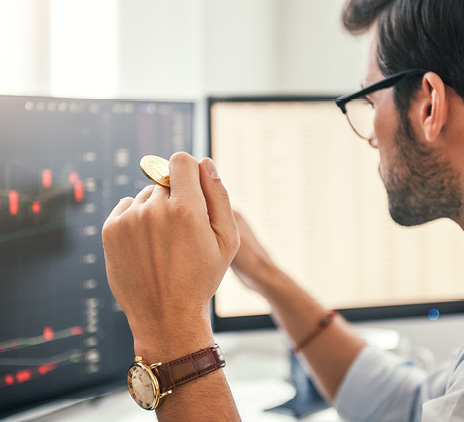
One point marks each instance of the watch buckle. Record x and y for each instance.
(163, 395)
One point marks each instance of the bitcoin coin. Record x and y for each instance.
(156, 169)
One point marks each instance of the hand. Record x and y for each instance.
(166, 252)
(252, 264)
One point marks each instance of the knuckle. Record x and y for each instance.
(231, 241)
(184, 211)
(146, 211)
(108, 231)
(146, 189)
(148, 217)
(235, 241)
(127, 199)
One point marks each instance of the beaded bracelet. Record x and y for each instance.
(323, 323)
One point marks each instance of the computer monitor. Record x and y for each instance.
(311, 191)
(65, 163)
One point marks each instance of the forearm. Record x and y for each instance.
(330, 354)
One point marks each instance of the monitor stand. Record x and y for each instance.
(307, 399)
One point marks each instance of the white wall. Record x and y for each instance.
(24, 51)
(160, 48)
(280, 46)
(176, 49)
(317, 55)
(83, 48)
(241, 46)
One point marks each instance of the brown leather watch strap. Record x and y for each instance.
(190, 367)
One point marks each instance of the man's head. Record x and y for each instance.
(419, 125)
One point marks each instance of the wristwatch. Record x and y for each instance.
(149, 383)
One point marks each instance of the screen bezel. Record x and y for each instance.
(265, 322)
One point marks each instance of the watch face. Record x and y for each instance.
(142, 386)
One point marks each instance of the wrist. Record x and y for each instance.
(165, 343)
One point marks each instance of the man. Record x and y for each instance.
(166, 251)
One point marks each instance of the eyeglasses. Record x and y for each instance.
(359, 109)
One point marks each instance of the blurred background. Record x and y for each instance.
(176, 49)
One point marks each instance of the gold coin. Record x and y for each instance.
(156, 169)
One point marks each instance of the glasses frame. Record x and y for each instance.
(388, 82)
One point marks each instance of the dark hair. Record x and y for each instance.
(427, 34)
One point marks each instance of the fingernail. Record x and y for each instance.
(211, 168)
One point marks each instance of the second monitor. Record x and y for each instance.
(311, 190)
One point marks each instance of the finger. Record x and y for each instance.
(143, 195)
(217, 201)
(160, 192)
(184, 177)
(122, 206)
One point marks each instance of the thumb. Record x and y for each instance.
(220, 212)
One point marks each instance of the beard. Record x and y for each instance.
(421, 185)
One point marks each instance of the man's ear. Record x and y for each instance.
(433, 106)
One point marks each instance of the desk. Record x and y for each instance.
(251, 397)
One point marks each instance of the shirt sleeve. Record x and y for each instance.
(382, 387)
(449, 407)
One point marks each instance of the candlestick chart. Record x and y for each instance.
(34, 201)
(18, 370)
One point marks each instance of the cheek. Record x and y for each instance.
(385, 121)
(385, 126)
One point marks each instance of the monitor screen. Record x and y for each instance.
(311, 191)
(65, 163)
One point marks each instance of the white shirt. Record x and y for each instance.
(381, 387)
